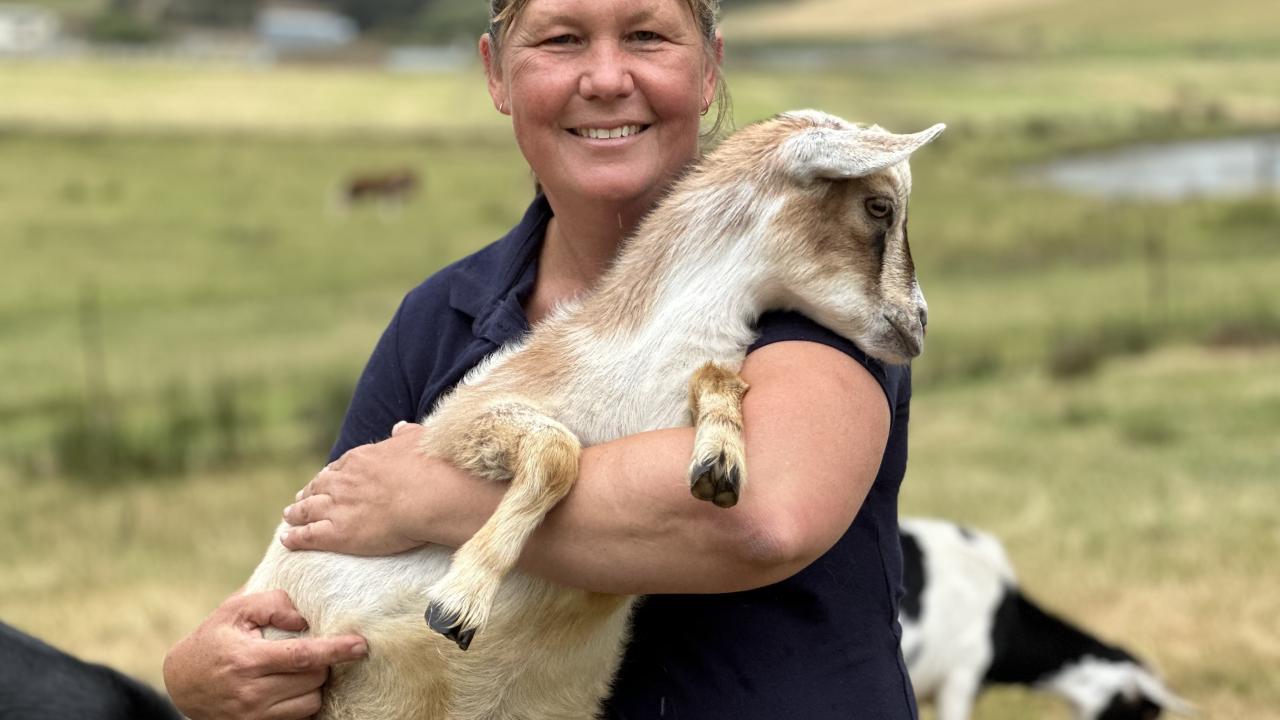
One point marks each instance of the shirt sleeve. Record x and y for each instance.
(382, 396)
(780, 326)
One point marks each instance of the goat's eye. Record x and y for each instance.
(879, 207)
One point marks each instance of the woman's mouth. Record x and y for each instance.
(601, 133)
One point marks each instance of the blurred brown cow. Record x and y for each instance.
(393, 186)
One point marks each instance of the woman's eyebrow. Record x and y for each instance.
(632, 16)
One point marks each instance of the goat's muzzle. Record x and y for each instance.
(909, 331)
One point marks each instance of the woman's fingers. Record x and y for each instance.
(403, 427)
(300, 656)
(296, 708)
(302, 666)
(309, 510)
(272, 608)
(324, 479)
(316, 535)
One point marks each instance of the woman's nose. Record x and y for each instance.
(606, 75)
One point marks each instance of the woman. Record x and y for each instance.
(783, 605)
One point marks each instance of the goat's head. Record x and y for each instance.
(839, 236)
(1117, 689)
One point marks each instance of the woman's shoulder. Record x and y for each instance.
(786, 325)
(434, 291)
(470, 283)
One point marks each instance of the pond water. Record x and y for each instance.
(1227, 167)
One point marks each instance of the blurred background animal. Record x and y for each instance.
(389, 187)
(966, 624)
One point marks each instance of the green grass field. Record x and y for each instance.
(1101, 387)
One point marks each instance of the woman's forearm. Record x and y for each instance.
(630, 524)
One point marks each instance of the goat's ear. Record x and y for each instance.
(842, 153)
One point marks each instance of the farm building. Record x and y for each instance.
(302, 28)
(24, 28)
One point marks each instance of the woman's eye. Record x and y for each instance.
(646, 36)
(879, 208)
(560, 40)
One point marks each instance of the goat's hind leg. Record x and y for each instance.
(718, 471)
(511, 441)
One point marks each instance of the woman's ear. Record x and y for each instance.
(493, 74)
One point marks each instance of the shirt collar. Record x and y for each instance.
(492, 287)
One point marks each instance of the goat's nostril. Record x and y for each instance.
(924, 318)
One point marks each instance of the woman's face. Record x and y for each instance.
(605, 95)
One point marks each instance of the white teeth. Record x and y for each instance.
(602, 133)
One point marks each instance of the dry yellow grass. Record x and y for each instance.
(134, 94)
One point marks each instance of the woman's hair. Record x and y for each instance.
(504, 13)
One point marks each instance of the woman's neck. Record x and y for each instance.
(579, 246)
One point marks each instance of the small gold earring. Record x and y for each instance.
(503, 107)
(706, 105)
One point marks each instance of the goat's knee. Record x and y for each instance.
(540, 456)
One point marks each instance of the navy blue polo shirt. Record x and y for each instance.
(821, 644)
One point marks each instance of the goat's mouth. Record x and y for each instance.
(909, 339)
(608, 133)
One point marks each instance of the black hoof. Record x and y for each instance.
(447, 624)
(716, 481)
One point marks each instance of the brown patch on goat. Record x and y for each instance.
(829, 221)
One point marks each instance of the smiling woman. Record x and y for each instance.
(606, 99)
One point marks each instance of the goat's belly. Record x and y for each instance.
(546, 652)
(336, 593)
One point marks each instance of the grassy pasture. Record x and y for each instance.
(1101, 386)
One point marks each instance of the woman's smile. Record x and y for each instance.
(609, 131)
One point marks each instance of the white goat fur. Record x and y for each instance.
(773, 218)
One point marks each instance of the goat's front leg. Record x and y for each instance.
(718, 471)
(510, 441)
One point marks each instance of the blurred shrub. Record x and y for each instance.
(1260, 325)
(1074, 354)
(324, 411)
(101, 442)
(957, 365)
(119, 27)
(1152, 429)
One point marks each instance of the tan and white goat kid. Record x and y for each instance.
(804, 211)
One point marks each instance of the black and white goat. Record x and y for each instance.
(966, 624)
(41, 682)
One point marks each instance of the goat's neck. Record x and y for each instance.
(696, 272)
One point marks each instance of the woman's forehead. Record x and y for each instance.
(548, 12)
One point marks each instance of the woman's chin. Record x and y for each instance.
(621, 188)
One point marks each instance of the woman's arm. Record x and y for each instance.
(816, 425)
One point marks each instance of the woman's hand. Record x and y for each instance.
(370, 501)
(226, 669)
